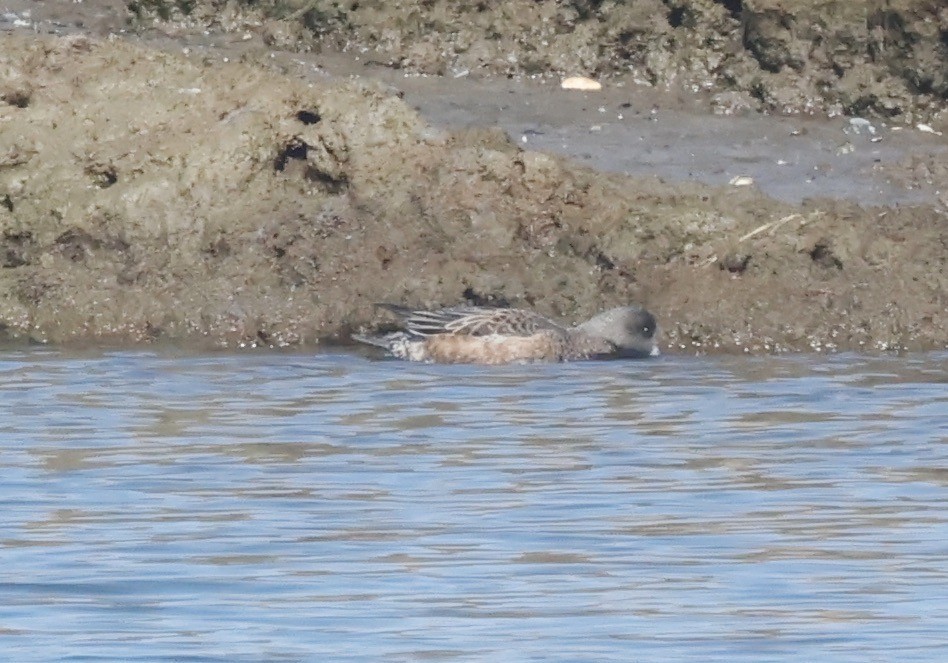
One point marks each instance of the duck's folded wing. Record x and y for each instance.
(471, 321)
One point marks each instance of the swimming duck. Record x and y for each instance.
(479, 335)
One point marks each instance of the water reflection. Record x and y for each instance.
(279, 506)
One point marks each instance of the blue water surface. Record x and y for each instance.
(268, 506)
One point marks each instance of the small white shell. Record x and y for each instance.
(581, 83)
(925, 128)
(741, 180)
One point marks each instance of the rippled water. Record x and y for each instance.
(284, 507)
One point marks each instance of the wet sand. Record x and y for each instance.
(637, 130)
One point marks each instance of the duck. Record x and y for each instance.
(487, 335)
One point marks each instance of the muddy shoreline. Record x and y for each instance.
(884, 59)
(153, 192)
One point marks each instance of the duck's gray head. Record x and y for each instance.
(629, 329)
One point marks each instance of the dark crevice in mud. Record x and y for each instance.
(12, 258)
(15, 246)
(870, 104)
(102, 176)
(17, 97)
(586, 9)
(735, 263)
(822, 254)
(308, 117)
(74, 244)
(733, 7)
(32, 291)
(385, 255)
(296, 150)
(278, 251)
(77, 244)
(152, 332)
(475, 298)
(332, 185)
(603, 261)
(217, 249)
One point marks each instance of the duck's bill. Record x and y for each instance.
(631, 353)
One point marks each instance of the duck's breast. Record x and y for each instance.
(494, 348)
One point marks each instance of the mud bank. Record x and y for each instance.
(887, 58)
(145, 196)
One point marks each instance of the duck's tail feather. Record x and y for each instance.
(377, 341)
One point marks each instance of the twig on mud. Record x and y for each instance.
(292, 16)
(771, 226)
(944, 203)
